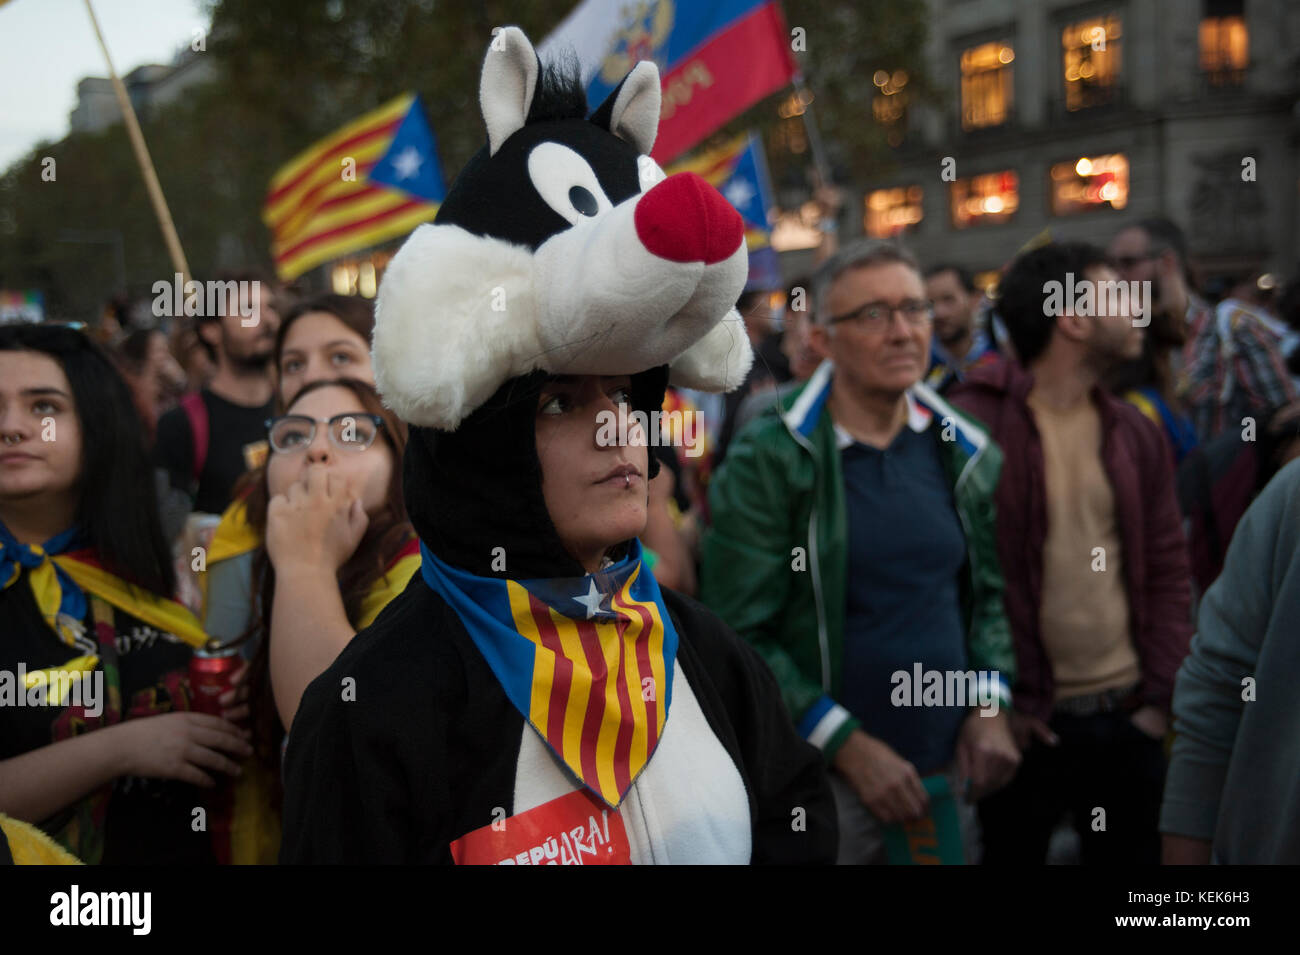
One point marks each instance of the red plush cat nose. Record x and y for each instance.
(684, 219)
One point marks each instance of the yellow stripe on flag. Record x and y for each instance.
(640, 737)
(327, 147)
(361, 238)
(575, 710)
(713, 165)
(539, 706)
(610, 646)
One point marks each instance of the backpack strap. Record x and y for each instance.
(197, 413)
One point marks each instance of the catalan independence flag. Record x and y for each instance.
(738, 170)
(715, 57)
(588, 661)
(375, 179)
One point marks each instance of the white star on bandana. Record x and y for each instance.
(591, 600)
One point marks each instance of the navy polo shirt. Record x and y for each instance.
(907, 549)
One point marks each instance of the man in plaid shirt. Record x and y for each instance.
(1233, 365)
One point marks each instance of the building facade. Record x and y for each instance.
(148, 87)
(1079, 118)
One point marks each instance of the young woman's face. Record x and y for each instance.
(595, 491)
(40, 433)
(368, 472)
(319, 347)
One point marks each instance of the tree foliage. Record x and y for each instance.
(288, 73)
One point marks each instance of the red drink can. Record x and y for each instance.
(212, 669)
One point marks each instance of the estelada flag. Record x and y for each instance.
(715, 57)
(375, 179)
(738, 170)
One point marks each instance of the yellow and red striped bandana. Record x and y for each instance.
(588, 661)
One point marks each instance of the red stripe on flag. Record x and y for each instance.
(355, 225)
(623, 743)
(358, 139)
(561, 680)
(593, 718)
(742, 64)
(307, 201)
(644, 669)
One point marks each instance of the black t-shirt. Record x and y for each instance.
(146, 821)
(236, 443)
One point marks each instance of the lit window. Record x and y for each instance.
(1225, 43)
(1091, 58)
(986, 85)
(891, 211)
(987, 199)
(1091, 182)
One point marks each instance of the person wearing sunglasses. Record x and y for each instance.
(853, 539)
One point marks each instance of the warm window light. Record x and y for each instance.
(891, 211)
(1091, 61)
(986, 86)
(1090, 182)
(985, 199)
(1225, 48)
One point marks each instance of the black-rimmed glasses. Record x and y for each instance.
(353, 431)
(875, 315)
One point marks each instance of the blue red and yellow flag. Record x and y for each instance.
(715, 57)
(588, 661)
(738, 170)
(375, 179)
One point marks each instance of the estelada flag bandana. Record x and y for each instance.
(587, 660)
(60, 578)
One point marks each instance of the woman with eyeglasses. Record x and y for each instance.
(319, 339)
(98, 746)
(335, 548)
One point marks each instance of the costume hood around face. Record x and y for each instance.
(561, 249)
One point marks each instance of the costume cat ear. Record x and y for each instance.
(507, 85)
(631, 112)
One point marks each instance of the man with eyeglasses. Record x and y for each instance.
(1231, 367)
(959, 341)
(853, 545)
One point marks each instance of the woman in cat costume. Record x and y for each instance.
(533, 696)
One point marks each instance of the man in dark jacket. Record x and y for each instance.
(1090, 540)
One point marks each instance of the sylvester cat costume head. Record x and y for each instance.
(561, 249)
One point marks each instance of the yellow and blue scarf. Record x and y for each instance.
(60, 577)
(588, 660)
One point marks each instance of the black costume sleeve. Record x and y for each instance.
(357, 787)
(791, 806)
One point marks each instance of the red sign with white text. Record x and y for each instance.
(576, 829)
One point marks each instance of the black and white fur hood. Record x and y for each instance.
(561, 247)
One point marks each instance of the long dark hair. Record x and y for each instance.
(117, 507)
(387, 533)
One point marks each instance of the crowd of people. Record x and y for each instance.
(1087, 509)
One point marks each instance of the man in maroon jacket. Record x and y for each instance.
(1092, 547)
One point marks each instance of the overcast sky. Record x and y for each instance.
(46, 46)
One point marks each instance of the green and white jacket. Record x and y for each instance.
(775, 560)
